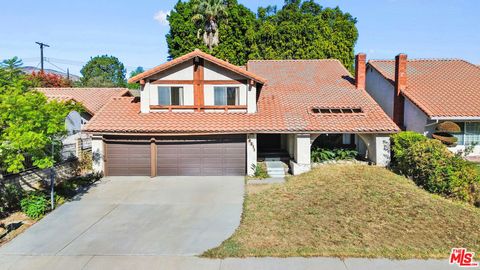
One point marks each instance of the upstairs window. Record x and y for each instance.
(168, 96)
(226, 96)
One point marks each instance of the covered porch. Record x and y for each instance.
(294, 149)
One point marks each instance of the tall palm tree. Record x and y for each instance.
(207, 13)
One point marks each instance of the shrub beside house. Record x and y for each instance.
(432, 166)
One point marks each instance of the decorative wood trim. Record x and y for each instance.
(198, 85)
(173, 107)
(209, 82)
(153, 158)
(224, 82)
(105, 160)
(199, 108)
(172, 82)
(226, 108)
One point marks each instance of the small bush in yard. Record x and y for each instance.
(401, 142)
(10, 196)
(35, 205)
(261, 171)
(432, 166)
(324, 154)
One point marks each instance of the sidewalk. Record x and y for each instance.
(15, 262)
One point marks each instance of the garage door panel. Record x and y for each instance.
(215, 161)
(234, 171)
(215, 155)
(189, 162)
(128, 159)
(167, 162)
(189, 171)
(167, 171)
(213, 171)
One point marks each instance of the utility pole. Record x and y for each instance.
(41, 53)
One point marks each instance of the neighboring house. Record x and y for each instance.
(199, 115)
(92, 99)
(418, 94)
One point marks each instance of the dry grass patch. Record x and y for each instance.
(351, 211)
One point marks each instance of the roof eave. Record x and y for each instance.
(189, 56)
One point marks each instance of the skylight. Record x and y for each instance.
(323, 110)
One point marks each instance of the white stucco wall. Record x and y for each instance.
(73, 122)
(97, 154)
(251, 153)
(414, 118)
(301, 162)
(145, 98)
(183, 71)
(377, 148)
(214, 72)
(381, 90)
(252, 99)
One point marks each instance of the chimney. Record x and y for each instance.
(360, 69)
(400, 85)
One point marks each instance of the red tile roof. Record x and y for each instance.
(293, 87)
(237, 69)
(439, 87)
(92, 99)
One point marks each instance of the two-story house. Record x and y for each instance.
(199, 115)
(419, 94)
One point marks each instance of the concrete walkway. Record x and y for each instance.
(13, 262)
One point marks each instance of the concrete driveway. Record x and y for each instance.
(139, 216)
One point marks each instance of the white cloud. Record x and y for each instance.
(161, 17)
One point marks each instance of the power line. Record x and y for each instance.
(55, 65)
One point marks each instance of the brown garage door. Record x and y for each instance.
(128, 159)
(211, 155)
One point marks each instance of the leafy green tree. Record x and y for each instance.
(11, 68)
(29, 123)
(306, 30)
(103, 71)
(135, 72)
(236, 35)
(207, 14)
(299, 30)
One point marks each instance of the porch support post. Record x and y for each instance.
(251, 153)
(98, 156)
(378, 148)
(301, 162)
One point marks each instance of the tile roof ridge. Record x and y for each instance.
(421, 60)
(81, 88)
(294, 60)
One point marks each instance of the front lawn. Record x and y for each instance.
(351, 211)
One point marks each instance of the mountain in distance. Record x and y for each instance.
(30, 69)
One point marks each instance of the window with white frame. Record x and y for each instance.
(170, 95)
(470, 133)
(226, 95)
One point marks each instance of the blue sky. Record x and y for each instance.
(77, 30)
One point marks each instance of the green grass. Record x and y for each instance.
(351, 211)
